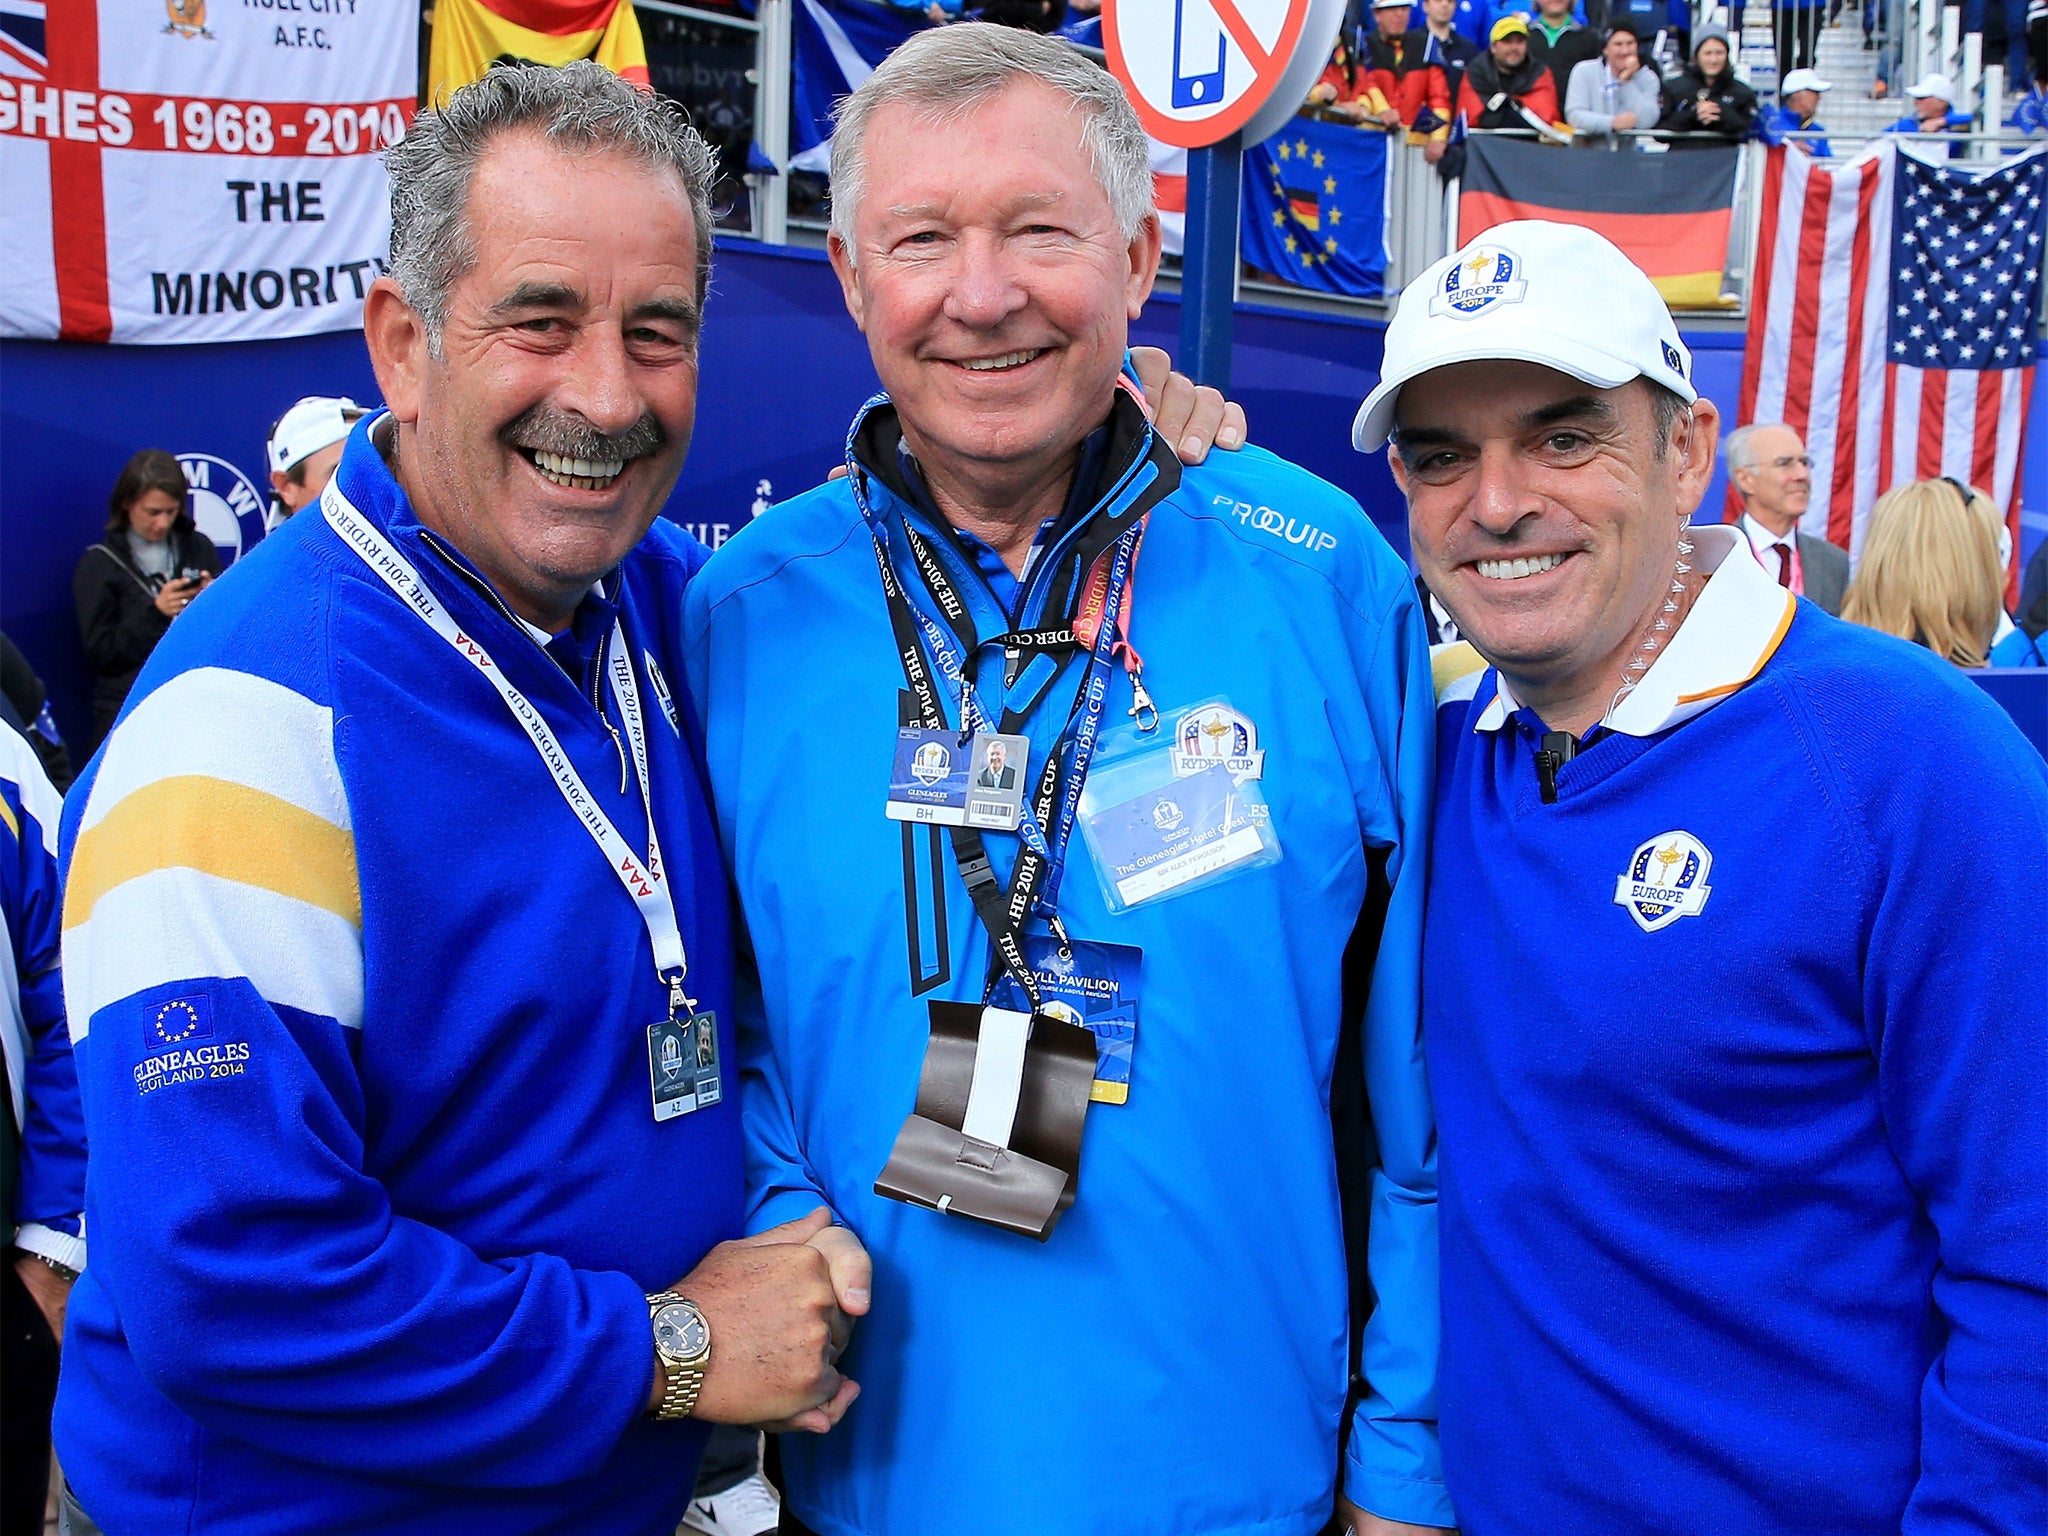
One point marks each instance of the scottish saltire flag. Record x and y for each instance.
(1315, 207)
(1893, 323)
(834, 46)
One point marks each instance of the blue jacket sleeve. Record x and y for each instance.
(1393, 1467)
(261, 1277)
(1956, 998)
(780, 1186)
(49, 1199)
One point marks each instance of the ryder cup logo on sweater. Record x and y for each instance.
(1665, 880)
(1478, 282)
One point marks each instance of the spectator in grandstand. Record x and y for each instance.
(1446, 54)
(1029, 15)
(1770, 470)
(1705, 97)
(1560, 42)
(1934, 112)
(2032, 613)
(25, 705)
(2011, 646)
(1451, 47)
(1797, 111)
(1506, 87)
(1614, 93)
(1796, 26)
(1468, 19)
(303, 449)
(146, 569)
(1386, 79)
(1929, 572)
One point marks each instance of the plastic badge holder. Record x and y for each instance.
(1160, 822)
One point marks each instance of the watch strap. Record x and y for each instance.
(681, 1383)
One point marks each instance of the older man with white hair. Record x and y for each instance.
(1069, 1068)
(1773, 474)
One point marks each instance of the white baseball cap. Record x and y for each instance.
(1803, 80)
(1535, 292)
(1934, 85)
(309, 426)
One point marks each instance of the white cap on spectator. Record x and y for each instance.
(309, 426)
(1388, 5)
(1934, 85)
(1520, 291)
(1803, 80)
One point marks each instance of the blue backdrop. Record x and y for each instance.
(783, 371)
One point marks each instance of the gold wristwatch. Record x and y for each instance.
(682, 1344)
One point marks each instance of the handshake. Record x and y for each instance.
(780, 1306)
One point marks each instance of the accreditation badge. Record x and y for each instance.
(1093, 985)
(1161, 819)
(943, 779)
(682, 1062)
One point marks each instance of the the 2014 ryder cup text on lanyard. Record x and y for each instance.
(645, 881)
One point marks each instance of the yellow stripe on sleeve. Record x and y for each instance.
(219, 828)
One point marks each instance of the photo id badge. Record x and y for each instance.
(1093, 985)
(939, 779)
(682, 1062)
(1159, 824)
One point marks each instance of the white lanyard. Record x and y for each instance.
(646, 882)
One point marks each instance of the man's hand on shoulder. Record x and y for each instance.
(1191, 416)
(1362, 1523)
(778, 1305)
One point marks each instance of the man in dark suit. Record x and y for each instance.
(1769, 468)
(996, 772)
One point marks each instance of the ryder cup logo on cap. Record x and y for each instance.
(310, 425)
(1519, 293)
(1484, 276)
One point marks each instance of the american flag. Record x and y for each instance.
(1893, 323)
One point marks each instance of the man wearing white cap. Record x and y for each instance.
(303, 449)
(1934, 111)
(1798, 111)
(1732, 1032)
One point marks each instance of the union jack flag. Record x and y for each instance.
(1894, 323)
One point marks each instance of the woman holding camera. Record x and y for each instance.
(146, 570)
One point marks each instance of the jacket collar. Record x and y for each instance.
(1736, 625)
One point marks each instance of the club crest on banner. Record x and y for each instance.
(1666, 879)
(1475, 284)
(225, 504)
(1215, 733)
(188, 18)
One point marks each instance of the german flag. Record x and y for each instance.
(1670, 213)
(472, 35)
(1305, 207)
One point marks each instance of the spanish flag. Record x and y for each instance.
(472, 35)
(1670, 213)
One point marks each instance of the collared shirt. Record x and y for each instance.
(1766, 544)
(1735, 624)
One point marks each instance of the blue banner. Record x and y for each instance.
(1315, 205)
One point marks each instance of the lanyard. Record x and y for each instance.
(645, 882)
(1034, 882)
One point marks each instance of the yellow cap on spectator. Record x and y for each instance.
(1507, 26)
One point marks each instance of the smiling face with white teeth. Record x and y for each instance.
(996, 294)
(544, 437)
(1546, 521)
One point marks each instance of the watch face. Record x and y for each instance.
(680, 1332)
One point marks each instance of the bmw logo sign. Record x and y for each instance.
(226, 504)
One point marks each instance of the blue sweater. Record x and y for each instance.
(45, 1165)
(1744, 1212)
(361, 1014)
(1173, 1359)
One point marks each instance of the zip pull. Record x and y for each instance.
(619, 747)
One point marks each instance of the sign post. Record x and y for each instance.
(1213, 76)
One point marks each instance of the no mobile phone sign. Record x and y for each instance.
(1201, 70)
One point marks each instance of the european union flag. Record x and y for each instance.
(1315, 198)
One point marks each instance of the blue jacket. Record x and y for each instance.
(1741, 1096)
(361, 1015)
(1773, 123)
(1173, 1359)
(45, 1153)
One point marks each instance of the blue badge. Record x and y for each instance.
(1093, 985)
(178, 1021)
(941, 779)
